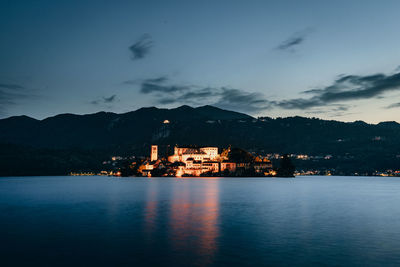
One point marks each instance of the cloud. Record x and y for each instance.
(141, 47)
(223, 97)
(160, 79)
(109, 99)
(11, 86)
(194, 96)
(198, 94)
(147, 88)
(330, 98)
(158, 85)
(334, 109)
(293, 41)
(289, 43)
(7, 98)
(395, 105)
(345, 88)
(11, 94)
(242, 100)
(104, 100)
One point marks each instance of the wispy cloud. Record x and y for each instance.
(161, 79)
(141, 47)
(329, 99)
(242, 100)
(159, 85)
(147, 88)
(395, 105)
(345, 88)
(291, 42)
(223, 97)
(104, 100)
(11, 94)
(11, 86)
(295, 40)
(157, 80)
(192, 96)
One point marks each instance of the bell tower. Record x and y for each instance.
(154, 153)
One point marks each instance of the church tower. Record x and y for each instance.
(154, 153)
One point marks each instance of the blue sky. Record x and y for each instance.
(327, 59)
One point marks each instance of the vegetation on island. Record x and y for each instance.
(286, 167)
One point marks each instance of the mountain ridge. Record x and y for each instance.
(73, 141)
(187, 107)
(142, 109)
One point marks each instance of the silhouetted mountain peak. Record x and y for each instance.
(359, 122)
(221, 114)
(184, 107)
(22, 118)
(389, 124)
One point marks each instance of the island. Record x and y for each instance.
(203, 161)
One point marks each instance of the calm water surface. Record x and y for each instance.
(80, 221)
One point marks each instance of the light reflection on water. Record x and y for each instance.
(192, 218)
(331, 221)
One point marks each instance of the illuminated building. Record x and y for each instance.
(199, 160)
(154, 153)
(230, 166)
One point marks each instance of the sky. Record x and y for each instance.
(336, 60)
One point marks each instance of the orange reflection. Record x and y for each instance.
(150, 215)
(194, 217)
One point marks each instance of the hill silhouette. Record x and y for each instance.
(69, 140)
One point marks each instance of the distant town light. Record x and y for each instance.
(166, 121)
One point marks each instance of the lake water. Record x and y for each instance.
(80, 221)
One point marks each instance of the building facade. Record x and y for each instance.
(154, 153)
(198, 161)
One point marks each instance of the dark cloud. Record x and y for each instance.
(291, 42)
(345, 88)
(12, 94)
(7, 98)
(297, 103)
(329, 98)
(198, 94)
(295, 40)
(395, 105)
(195, 96)
(229, 98)
(241, 100)
(147, 88)
(223, 97)
(11, 86)
(341, 108)
(158, 85)
(109, 99)
(167, 100)
(160, 79)
(104, 100)
(142, 47)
